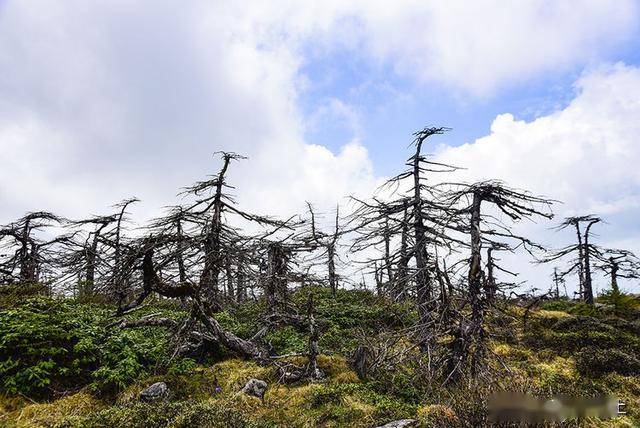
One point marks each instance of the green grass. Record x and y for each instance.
(49, 347)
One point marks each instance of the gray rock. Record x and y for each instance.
(402, 423)
(155, 392)
(255, 387)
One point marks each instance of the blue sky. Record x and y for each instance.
(104, 100)
(389, 107)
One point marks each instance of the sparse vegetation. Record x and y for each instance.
(205, 389)
(214, 316)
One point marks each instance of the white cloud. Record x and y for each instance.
(102, 91)
(585, 155)
(103, 100)
(473, 47)
(99, 103)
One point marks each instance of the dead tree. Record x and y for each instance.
(328, 243)
(221, 244)
(410, 214)
(196, 244)
(119, 217)
(378, 276)
(557, 280)
(32, 255)
(618, 264)
(88, 257)
(465, 204)
(582, 253)
(214, 205)
(277, 276)
(97, 255)
(241, 286)
(177, 228)
(401, 278)
(420, 164)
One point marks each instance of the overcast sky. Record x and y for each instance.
(102, 100)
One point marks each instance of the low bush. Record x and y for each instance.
(597, 362)
(180, 414)
(619, 303)
(558, 305)
(570, 334)
(49, 346)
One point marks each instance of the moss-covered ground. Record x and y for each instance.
(62, 366)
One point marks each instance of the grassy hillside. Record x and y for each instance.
(63, 365)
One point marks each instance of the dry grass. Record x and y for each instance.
(49, 414)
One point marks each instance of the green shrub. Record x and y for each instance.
(287, 340)
(583, 309)
(237, 326)
(182, 366)
(12, 294)
(596, 362)
(335, 397)
(48, 345)
(181, 414)
(558, 305)
(621, 324)
(570, 334)
(622, 304)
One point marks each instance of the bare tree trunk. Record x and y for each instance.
(240, 280)
(333, 281)
(276, 276)
(387, 257)
(475, 282)
(182, 273)
(423, 279)
(471, 333)
(377, 274)
(614, 277)
(402, 271)
(490, 287)
(556, 280)
(588, 289)
(32, 264)
(211, 272)
(236, 344)
(580, 263)
(26, 274)
(444, 298)
(91, 262)
(118, 283)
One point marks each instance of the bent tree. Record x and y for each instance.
(405, 210)
(33, 253)
(618, 264)
(580, 254)
(476, 211)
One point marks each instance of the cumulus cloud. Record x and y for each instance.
(481, 46)
(586, 155)
(104, 101)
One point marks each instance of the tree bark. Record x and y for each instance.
(423, 279)
(614, 276)
(333, 281)
(580, 263)
(588, 289)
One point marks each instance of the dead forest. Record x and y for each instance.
(424, 240)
